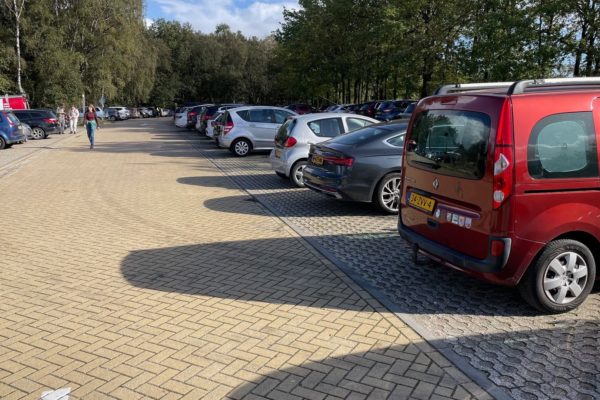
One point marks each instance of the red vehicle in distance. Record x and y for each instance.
(14, 102)
(501, 181)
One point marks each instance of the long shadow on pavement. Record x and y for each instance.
(551, 361)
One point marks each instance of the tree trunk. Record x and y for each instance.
(18, 39)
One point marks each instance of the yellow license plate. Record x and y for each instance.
(317, 160)
(421, 202)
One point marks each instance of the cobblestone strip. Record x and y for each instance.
(120, 280)
(485, 328)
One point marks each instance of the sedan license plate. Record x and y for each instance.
(421, 202)
(317, 160)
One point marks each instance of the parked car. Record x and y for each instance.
(27, 131)
(368, 109)
(389, 110)
(211, 123)
(192, 116)
(362, 166)
(301, 109)
(9, 130)
(503, 186)
(292, 143)
(407, 113)
(210, 113)
(42, 122)
(100, 113)
(250, 128)
(116, 113)
(181, 116)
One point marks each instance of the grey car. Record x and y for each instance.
(363, 165)
(294, 138)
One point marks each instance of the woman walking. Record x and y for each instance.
(90, 121)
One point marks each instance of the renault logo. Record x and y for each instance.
(436, 184)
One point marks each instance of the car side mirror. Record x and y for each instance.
(411, 145)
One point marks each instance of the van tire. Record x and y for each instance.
(531, 286)
(241, 147)
(296, 173)
(385, 186)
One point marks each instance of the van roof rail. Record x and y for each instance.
(520, 86)
(465, 87)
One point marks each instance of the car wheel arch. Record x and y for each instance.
(291, 164)
(380, 178)
(586, 238)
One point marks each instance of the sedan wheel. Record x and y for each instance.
(241, 147)
(297, 174)
(561, 278)
(38, 133)
(388, 193)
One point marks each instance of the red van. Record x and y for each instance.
(501, 181)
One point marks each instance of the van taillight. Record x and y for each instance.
(227, 128)
(290, 142)
(503, 158)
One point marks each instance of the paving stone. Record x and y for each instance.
(490, 326)
(142, 288)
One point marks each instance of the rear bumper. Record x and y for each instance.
(453, 258)
(15, 138)
(280, 164)
(343, 187)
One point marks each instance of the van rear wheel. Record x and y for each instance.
(561, 278)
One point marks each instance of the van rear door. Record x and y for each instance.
(448, 177)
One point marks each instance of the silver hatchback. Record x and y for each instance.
(244, 129)
(294, 138)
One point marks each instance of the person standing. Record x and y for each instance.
(60, 113)
(90, 121)
(73, 118)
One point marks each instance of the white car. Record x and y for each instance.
(294, 138)
(245, 129)
(181, 117)
(210, 125)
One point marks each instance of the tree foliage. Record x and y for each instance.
(326, 50)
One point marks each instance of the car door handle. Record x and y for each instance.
(252, 125)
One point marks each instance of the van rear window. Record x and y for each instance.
(450, 142)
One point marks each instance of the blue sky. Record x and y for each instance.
(251, 17)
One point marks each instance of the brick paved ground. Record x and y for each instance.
(528, 355)
(12, 158)
(121, 281)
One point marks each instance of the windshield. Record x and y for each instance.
(451, 142)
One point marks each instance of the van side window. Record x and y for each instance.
(563, 146)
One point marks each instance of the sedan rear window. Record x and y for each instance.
(368, 133)
(450, 142)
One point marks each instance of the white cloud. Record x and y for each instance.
(258, 18)
(148, 22)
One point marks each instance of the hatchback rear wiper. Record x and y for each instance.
(432, 165)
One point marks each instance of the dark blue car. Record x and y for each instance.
(9, 130)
